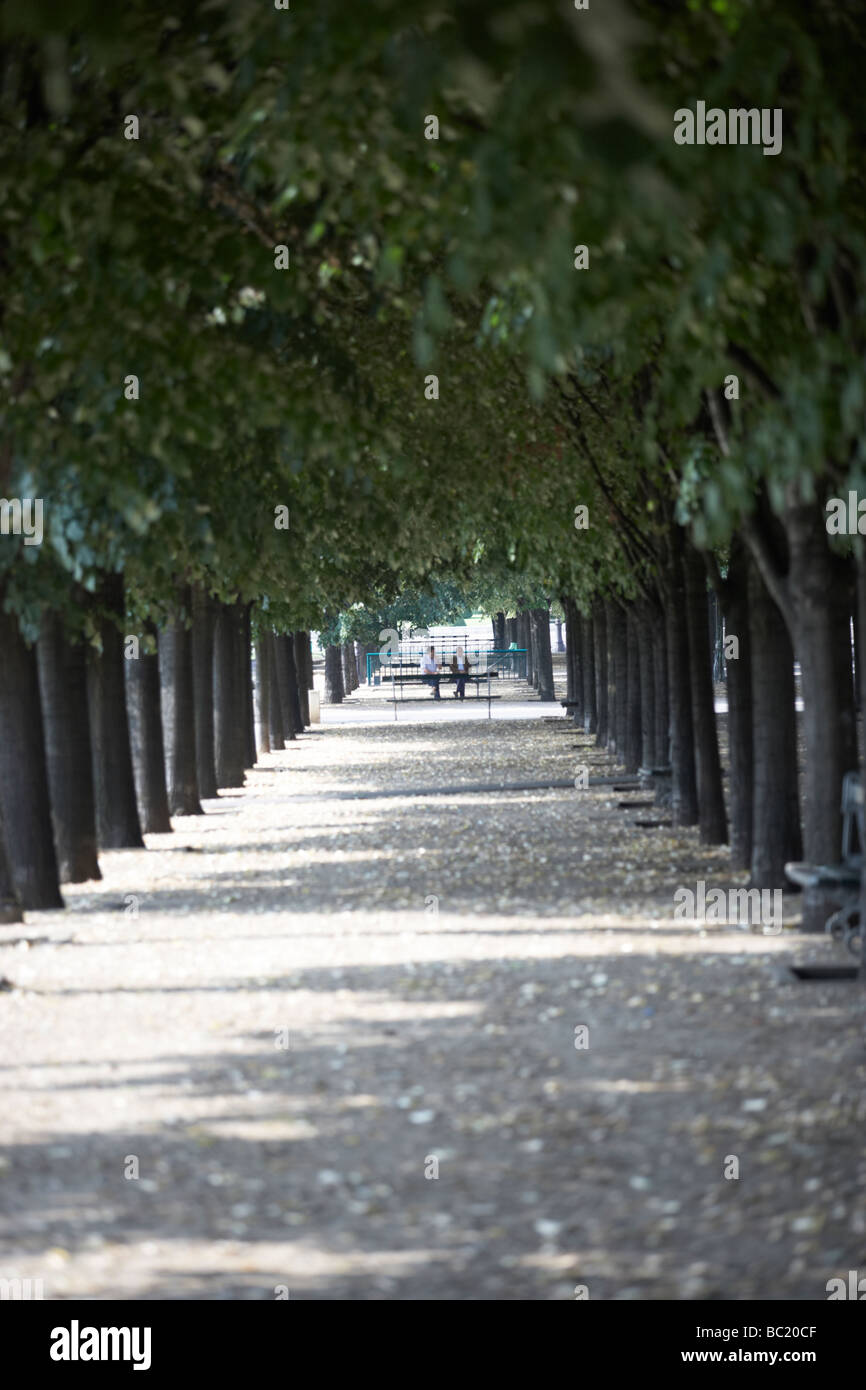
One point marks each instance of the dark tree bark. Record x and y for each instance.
(117, 822)
(143, 698)
(288, 712)
(203, 617)
(776, 816)
(525, 641)
(633, 693)
(25, 806)
(861, 672)
(712, 820)
(263, 692)
(610, 623)
(10, 904)
(587, 674)
(813, 588)
(574, 686)
(617, 678)
(684, 792)
(511, 632)
(304, 668)
(63, 687)
(714, 634)
(278, 733)
(246, 656)
(820, 585)
(500, 641)
(293, 693)
(333, 676)
(347, 653)
(541, 630)
(661, 705)
(228, 699)
(646, 676)
(734, 599)
(178, 709)
(599, 639)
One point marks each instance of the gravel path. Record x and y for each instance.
(289, 1014)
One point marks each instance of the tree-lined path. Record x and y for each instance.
(430, 958)
(326, 330)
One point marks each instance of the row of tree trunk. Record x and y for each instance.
(530, 629)
(641, 674)
(102, 744)
(345, 666)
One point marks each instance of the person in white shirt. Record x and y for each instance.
(430, 672)
(460, 668)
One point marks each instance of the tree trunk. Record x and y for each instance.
(633, 693)
(304, 668)
(525, 641)
(861, 672)
(776, 816)
(10, 905)
(278, 732)
(347, 656)
(333, 676)
(178, 709)
(587, 674)
(246, 657)
(599, 639)
(117, 823)
(820, 584)
(229, 705)
(63, 685)
(661, 718)
(574, 689)
(500, 642)
(734, 598)
(617, 677)
(577, 663)
(684, 792)
(289, 712)
(203, 617)
(711, 801)
(148, 749)
(544, 658)
(292, 690)
(25, 807)
(646, 677)
(263, 692)
(560, 645)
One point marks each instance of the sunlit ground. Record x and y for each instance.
(291, 1014)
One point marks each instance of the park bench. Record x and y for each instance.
(842, 879)
(416, 678)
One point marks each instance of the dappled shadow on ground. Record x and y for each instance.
(557, 1164)
(493, 989)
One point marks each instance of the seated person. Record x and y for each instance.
(430, 672)
(460, 668)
